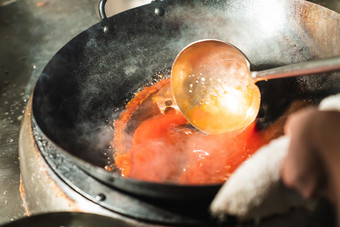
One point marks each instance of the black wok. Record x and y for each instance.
(87, 83)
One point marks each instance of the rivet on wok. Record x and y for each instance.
(105, 29)
(159, 11)
(100, 197)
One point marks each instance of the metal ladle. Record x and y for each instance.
(215, 90)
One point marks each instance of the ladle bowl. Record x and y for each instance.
(215, 89)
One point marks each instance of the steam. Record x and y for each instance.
(185, 156)
(164, 150)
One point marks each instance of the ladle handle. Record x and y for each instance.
(298, 69)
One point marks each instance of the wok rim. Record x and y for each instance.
(87, 166)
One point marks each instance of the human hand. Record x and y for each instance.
(312, 164)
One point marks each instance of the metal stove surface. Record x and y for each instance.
(31, 31)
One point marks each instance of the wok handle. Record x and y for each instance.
(102, 13)
(101, 9)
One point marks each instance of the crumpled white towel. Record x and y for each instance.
(255, 189)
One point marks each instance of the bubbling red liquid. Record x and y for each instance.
(164, 148)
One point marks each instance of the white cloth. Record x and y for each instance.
(255, 189)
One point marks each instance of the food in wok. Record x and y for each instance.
(158, 144)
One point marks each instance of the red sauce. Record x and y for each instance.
(164, 149)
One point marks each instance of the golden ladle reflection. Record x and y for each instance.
(215, 89)
(207, 91)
